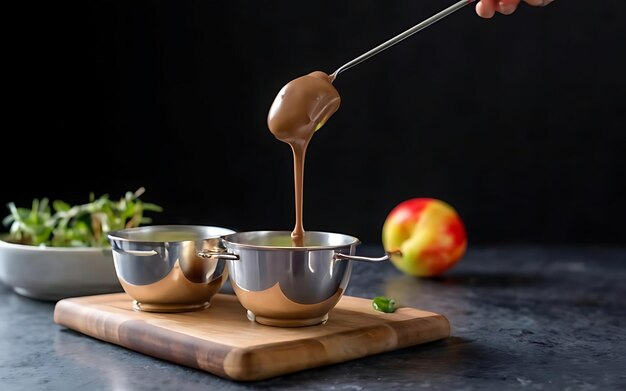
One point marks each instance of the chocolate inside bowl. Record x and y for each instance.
(284, 285)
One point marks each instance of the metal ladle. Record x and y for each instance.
(455, 7)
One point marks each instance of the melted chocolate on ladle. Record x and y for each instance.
(302, 107)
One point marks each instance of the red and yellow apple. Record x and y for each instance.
(426, 236)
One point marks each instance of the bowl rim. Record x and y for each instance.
(116, 235)
(30, 247)
(353, 241)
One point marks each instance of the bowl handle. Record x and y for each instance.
(217, 254)
(340, 256)
(137, 253)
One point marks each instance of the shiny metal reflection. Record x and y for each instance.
(287, 286)
(159, 266)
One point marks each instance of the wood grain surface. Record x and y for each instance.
(222, 341)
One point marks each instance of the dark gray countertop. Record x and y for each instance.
(531, 318)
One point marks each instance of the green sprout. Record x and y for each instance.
(63, 225)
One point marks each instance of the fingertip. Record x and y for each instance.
(485, 10)
(506, 8)
(539, 3)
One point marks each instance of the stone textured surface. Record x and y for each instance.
(530, 318)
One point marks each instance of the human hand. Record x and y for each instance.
(487, 8)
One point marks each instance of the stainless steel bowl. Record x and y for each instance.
(159, 266)
(282, 285)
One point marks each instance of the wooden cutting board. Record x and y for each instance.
(222, 341)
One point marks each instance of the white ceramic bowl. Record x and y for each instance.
(54, 273)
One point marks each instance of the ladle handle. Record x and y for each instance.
(217, 254)
(340, 256)
(387, 44)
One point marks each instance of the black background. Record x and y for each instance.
(518, 122)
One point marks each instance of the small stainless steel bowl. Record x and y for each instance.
(282, 285)
(159, 266)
